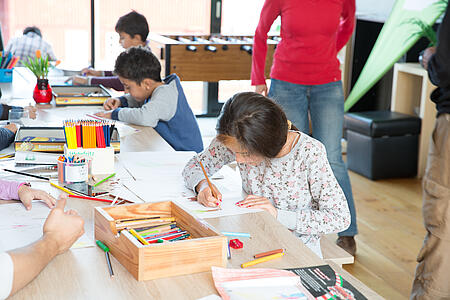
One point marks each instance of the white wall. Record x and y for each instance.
(374, 10)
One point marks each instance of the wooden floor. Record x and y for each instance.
(390, 234)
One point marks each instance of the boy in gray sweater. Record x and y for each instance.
(153, 102)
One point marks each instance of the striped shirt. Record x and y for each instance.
(26, 46)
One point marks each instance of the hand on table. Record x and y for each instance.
(31, 111)
(79, 80)
(261, 89)
(91, 72)
(105, 115)
(205, 196)
(63, 227)
(13, 127)
(253, 201)
(111, 104)
(27, 194)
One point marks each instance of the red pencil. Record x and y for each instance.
(90, 198)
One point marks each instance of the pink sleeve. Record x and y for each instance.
(270, 11)
(9, 189)
(347, 24)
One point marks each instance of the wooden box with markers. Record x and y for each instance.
(161, 239)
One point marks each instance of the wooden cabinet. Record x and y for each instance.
(411, 91)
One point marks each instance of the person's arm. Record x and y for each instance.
(106, 81)
(61, 230)
(347, 24)
(9, 189)
(7, 135)
(162, 106)
(270, 11)
(330, 213)
(213, 159)
(4, 111)
(439, 63)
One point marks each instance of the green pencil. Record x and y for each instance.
(103, 180)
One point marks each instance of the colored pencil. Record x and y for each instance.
(104, 179)
(259, 255)
(27, 174)
(207, 180)
(240, 234)
(90, 198)
(136, 235)
(262, 259)
(61, 188)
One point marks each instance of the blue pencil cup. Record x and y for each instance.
(6, 75)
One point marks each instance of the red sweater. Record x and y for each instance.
(312, 33)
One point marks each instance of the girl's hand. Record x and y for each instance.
(253, 201)
(205, 196)
(27, 195)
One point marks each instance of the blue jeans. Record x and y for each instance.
(325, 104)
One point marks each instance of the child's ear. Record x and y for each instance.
(148, 83)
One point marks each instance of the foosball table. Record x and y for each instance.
(209, 58)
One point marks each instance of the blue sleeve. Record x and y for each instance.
(6, 137)
(123, 101)
(115, 114)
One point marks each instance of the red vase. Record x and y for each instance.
(42, 92)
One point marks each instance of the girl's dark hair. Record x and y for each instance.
(137, 64)
(133, 23)
(256, 122)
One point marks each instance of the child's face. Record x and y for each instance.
(140, 92)
(127, 41)
(242, 155)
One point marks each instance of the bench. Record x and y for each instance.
(333, 253)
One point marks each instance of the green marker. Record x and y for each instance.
(108, 260)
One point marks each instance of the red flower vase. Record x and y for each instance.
(42, 92)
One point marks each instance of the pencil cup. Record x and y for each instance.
(102, 158)
(6, 75)
(73, 172)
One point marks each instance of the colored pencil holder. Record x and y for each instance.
(6, 75)
(73, 172)
(102, 159)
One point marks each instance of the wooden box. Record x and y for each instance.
(206, 248)
(80, 94)
(49, 139)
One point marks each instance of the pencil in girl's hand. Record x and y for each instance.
(213, 192)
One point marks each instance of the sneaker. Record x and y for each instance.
(347, 243)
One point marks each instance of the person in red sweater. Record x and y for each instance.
(305, 76)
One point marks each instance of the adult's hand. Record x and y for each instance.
(261, 89)
(63, 227)
(426, 56)
(13, 127)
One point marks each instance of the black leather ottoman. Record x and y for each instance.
(382, 144)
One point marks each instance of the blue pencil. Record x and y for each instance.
(240, 234)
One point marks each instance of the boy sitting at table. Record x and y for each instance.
(133, 30)
(153, 102)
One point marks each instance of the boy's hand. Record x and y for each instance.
(105, 115)
(63, 228)
(27, 194)
(13, 127)
(31, 111)
(79, 80)
(111, 104)
(91, 72)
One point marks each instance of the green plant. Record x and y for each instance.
(39, 65)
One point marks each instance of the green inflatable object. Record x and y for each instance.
(397, 36)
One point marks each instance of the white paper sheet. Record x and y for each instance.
(19, 227)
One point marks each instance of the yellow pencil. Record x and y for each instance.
(158, 220)
(61, 188)
(136, 235)
(262, 259)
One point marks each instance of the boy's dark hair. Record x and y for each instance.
(256, 122)
(133, 23)
(137, 64)
(32, 29)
